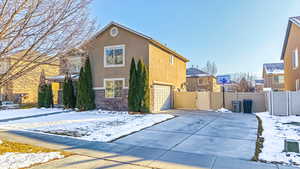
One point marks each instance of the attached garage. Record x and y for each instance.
(162, 97)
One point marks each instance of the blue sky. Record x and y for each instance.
(238, 35)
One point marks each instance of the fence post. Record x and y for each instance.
(271, 101)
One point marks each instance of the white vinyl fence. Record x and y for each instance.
(283, 103)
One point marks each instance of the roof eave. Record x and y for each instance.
(287, 34)
(141, 35)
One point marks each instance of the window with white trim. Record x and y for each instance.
(295, 59)
(114, 56)
(113, 88)
(172, 59)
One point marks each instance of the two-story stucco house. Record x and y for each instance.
(290, 54)
(110, 52)
(273, 75)
(198, 80)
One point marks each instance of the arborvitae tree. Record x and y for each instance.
(65, 94)
(69, 99)
(81, 90)
(85, 92)
(41, 95)
(139, 84)
(41, 90)
(72, 96)
(48, 96)
(132, 96)
(90, 100)
(145, 103)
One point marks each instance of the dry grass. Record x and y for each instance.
(8, 146)
(259, 141)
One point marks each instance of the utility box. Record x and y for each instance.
(236, 106)
(291, 146)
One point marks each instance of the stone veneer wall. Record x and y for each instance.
(119, 104)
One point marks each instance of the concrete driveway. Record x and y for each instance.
(206, 140)
(205, 133)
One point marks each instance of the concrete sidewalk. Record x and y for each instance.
(167, 145)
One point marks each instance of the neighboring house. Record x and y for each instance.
(290, 54)
(25, 88)
(273, 75)
(259, 85)
(232, 86)
(110, 52)
(198, 80)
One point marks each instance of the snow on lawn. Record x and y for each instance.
(22, 160)
(15, 113)
(276, 130)
(89, 125)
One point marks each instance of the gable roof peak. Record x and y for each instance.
(164, 47)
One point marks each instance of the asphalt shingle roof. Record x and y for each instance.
(274, 68)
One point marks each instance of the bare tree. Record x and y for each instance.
(245, 80)
(210, 68)
(35, 32)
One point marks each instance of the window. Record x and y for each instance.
(295, 59)
(114, 56)
(297, 84)
(74, 64)
(279, 79)
(200, 81)
(172, 59)
(113, 88)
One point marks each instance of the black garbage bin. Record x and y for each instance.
(247, 104)
(236, 106)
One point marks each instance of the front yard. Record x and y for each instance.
(276, 130)
(96, 125)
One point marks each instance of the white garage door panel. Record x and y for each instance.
(162, 97)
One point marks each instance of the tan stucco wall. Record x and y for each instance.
(29, 83)
(161, 70)
(135, 46)
(269, 82)
(291, 74)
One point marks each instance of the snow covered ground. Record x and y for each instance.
(223, 110)
(89, 125)
(15, 113)
(21, 160)
(276, 130)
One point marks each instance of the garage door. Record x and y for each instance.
(162, 97)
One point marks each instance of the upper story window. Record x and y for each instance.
(3, 67)
(74, 64)
(279, 79)
(114, 56)
(295, 58)
(172, 59)
(297, 84)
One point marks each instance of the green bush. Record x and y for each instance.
(85, 92)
